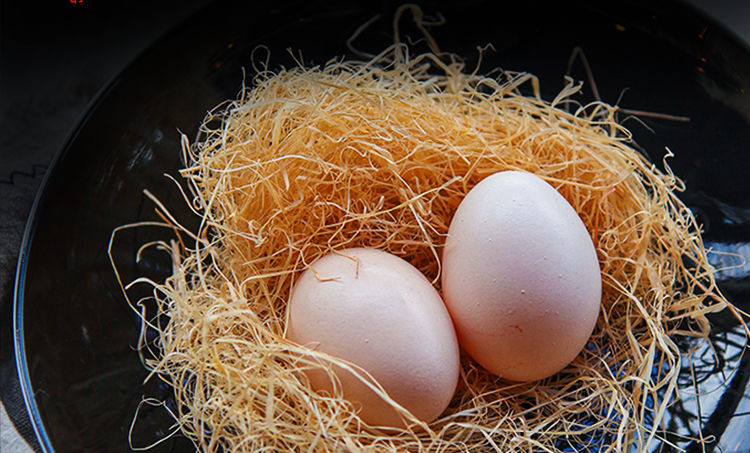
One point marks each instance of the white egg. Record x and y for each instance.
(379, 312)
(521, 278)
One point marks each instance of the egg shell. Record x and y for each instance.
(521, 278)
(379, 312)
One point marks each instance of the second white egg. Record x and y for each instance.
(521, 277)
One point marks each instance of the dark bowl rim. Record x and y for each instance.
(19, 344)
(23, 256)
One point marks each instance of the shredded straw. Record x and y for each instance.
(379, 154)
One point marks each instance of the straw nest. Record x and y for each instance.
(379, 154)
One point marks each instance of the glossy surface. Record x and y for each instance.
(521, 278)
(379, 312)
(78, 334)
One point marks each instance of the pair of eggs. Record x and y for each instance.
(521, 287)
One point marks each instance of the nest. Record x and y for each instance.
(379, 154)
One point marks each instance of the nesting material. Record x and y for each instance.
(379, 154)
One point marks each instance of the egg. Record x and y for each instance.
(521, 278)
(379, 312)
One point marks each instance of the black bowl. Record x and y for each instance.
(75, 335)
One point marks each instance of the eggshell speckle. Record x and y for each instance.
(379, 312)
(521, 277)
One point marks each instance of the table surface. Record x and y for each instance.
(52, 63)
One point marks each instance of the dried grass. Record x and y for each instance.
(379, 154)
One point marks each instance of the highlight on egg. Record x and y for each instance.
(521, 277)
(379, 312)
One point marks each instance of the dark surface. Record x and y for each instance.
(79, 332)
(54, 58)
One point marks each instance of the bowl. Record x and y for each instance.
(75, 336)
